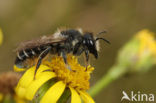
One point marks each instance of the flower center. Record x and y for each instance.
(78, 77)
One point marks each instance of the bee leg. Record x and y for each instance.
(65, 59)
(87, 58)
(76, 48)
(41, 57)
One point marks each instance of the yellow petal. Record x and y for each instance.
(36, 84)
(54, 93)
(27, 79)
(41, 69)
(24, 82)
(86, 97)
(16, 69)
(75, 98)
(28, 76)
(20, 91)
(1, 36)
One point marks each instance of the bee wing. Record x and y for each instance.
(39, 42)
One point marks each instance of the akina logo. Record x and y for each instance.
(140, 97)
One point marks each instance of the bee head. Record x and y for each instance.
(91, 43)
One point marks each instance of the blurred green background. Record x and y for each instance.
(23, 20)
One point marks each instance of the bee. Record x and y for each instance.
(61, 43)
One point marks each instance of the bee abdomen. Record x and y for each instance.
(27, 54)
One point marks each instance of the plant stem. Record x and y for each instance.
(114, 73)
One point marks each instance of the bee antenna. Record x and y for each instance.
(102, 32)
(102, 39)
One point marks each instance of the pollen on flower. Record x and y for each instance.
(78, 78)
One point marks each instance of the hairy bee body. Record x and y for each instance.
(60, 43)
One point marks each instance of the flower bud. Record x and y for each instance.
(139, 54)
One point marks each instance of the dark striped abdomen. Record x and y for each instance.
(23, 55)
(27, 54)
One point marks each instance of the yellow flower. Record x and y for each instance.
(64, 80)
(1, 36)
(139, 54)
